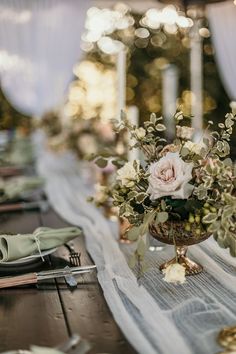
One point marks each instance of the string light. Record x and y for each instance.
(94, 91)
(100, 23)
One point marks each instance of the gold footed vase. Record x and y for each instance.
(173, 233)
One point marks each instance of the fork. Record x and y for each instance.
(74, 256)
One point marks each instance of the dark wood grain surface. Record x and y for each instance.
(49, 314)
(28, 315)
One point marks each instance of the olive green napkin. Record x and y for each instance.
(36, 350)
(16, 186)
(13, 247)
(21, 151)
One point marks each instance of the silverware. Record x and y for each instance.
(41, 204)
(70, 280)
(74, 256)
(33, 278)
(8, 171)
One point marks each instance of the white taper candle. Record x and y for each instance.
(121, 81)
(169, 97)
(196, 80)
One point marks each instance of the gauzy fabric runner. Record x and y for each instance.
(156, 317)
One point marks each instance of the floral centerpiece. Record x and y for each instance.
(84, 137)
(181, 192)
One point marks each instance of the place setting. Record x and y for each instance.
(117, 177)
(24, 252)
(28, 260)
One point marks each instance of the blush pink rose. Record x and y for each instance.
(170, 176)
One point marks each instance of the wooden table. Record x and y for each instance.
(47, 315)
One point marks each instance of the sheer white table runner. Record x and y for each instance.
(156, 317)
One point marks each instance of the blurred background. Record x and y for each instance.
(169, 64)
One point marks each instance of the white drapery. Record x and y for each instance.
(222, 19)
(39, 44)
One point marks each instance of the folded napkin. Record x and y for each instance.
(14, 187)
(83, 347)
(21, 151)
(13, 247)
(35, 350)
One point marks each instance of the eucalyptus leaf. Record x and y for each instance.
(163, 205)
(132, 194)
(162, 216)
(141, 249)
(141, 197)
(221, 125)
(232, 245)
(100, 162)
(179, 116)
(160, 127)
(214, 227)
(201, 192)
(134, 233)
(228, 162)
(144, 267)
(153, 118)
(132, 261)
(229, 122)
(150, 129)
(209, 218)
(184, 152)
(206, 141)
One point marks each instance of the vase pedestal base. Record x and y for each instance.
(191, 267)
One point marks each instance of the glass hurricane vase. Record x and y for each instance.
(174, 233)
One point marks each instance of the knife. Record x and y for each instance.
(41, 204)
(8, 171)
(70, 280)
(33, 278)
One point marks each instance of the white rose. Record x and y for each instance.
(184, 132)
(169, 177)
(140, 133)
(174, 273)
(87, 144)
(194, 147)
(128, 174)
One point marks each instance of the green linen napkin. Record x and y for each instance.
(21, 151)
(43, 350)
(36, 350)
(14, 187)
(13, 247)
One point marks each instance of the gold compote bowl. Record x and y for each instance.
(173, 233)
